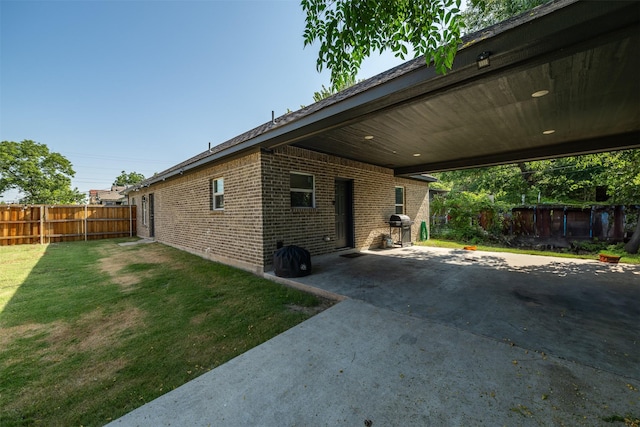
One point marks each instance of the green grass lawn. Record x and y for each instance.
(91, 330)
(626, 258)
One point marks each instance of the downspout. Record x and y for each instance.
(130, 220)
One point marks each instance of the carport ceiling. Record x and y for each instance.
(585, 54)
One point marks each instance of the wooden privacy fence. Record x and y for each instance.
(25, 224)
(609, 223)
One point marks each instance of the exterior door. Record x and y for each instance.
(344, 213)
(152, 222)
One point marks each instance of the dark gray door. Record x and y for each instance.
(344, 213)
(152, 222)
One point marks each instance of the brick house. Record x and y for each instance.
(237, 211)
(559, 80)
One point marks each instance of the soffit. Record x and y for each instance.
(477, 117)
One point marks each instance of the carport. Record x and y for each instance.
(560, 80)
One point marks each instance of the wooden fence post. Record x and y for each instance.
(45, 222)
(41, 209)
(85, 222)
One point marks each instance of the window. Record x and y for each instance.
(302, 190)
(217, 194)
(144, 210)
(399, 200)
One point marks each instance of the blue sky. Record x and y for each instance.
(141, 85)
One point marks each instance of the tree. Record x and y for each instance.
(42, 176)
(351, 30)
(326, 92)
(126, 179)
(568, 180)
(623, 180)
(483, 13)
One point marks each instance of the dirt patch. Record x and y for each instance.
(94, 334)
(25, 331)
(198, 319)
(92, 374)
(115, 260)
(93, 331)
(312, 311)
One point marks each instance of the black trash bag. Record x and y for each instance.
(292, 261)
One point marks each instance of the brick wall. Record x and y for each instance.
(373, 199)
(416, 203)
(184, 219)
(258, 213)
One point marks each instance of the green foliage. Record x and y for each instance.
(43, 176)
(466, 217)
(621, 173)
(126, 179)
(483, 13)
(568, 180)
(326, 92)
(591, 246)
(351, 30)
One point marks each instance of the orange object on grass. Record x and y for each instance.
(609, 258)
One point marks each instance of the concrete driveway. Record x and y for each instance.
(431, 336)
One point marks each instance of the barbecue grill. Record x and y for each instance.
(401, 223)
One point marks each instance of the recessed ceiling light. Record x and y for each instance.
(548, 132)
(539, 93)
(416, 155)
(368, 137)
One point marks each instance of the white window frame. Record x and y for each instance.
(311, 191)
(144, 210)
(217, 192)
(404, 199)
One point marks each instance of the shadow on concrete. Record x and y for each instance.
(579, 310)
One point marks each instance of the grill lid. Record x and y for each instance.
(398, 220)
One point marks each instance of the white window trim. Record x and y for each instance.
(144, 210)
(304, 190)
(214, 194)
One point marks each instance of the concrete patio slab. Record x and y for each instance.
(435, 337)
(580, 310)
